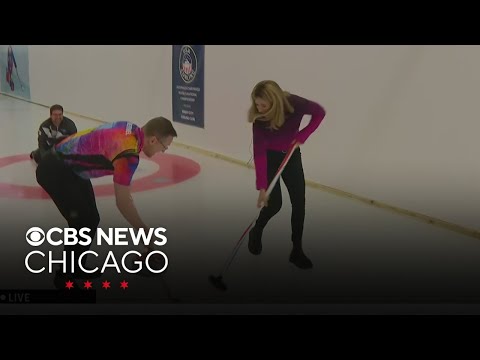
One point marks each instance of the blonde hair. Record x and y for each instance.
(271, 92)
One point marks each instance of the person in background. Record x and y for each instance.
(53, 130)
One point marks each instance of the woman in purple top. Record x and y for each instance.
(276, 116)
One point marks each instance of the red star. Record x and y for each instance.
(69, 284)
(106, 284)
(87, 284)
(124, 284)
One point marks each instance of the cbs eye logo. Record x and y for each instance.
(35, 236)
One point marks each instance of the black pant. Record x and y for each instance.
(294, 180)
(75, 199)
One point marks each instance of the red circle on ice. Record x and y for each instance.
(173, 169)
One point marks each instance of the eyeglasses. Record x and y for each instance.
(161, 142)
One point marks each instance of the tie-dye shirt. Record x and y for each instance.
(110, 149)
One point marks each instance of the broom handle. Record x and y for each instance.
(269, 190)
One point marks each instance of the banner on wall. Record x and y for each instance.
(14, 74)
(188, 84)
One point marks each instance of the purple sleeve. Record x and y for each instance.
(318, 114)
(260, 158)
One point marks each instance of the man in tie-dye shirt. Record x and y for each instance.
(110, 149)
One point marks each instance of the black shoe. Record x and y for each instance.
(299, 259)
(255, 241)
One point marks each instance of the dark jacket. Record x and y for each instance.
(49, 135)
